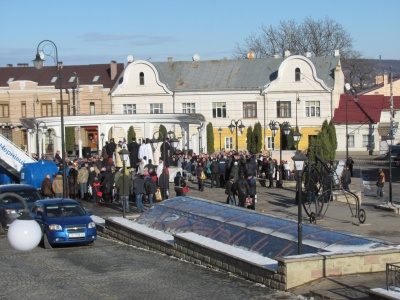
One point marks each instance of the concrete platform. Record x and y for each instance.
(389, 207)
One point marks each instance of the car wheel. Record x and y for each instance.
(2, 231)
(46, 243)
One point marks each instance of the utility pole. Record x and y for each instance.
(392, 134)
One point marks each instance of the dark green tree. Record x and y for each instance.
(131, 134)
(210, 138)
(257, 133)
(163, 132)
(69, 139)
(249, 140)
(333, 137)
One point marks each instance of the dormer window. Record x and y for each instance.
(96, 78)
(141, 78)
(297, 74)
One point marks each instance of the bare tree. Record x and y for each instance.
(359, 72)
(320, 37)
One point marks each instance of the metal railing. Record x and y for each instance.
(393, 275)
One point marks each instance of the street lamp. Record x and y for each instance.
(44, 128)
(174, 142)
(7, 132)
(234, 125)
(299, 161)
(38, 63)
(124, 155)
(297, 134)
(199, 129)
(220, 133)
(285, 129)
(24, 233)
(102, 139)
(348, 90)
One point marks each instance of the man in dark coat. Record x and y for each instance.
(214, 173)
(163, 182)
(165, 149)
(47, 190)
(270, 172)
(111, 148)
(252, 190)
(133, 148)
(242, 188)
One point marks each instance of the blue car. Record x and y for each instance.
(10, 207)
(64, 221)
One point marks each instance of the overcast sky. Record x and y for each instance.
(98, 31)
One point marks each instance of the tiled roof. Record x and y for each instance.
(367, 110)
(44, 76)
(238, 74)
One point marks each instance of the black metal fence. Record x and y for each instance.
(393, 275)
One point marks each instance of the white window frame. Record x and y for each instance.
(156, 108)
(219, 110)
(313, 108)
(351, 141)
(271, 142)
(189, 108)
(129, 109)
(366, 140)
(228, 143)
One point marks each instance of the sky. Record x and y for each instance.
(99, 31)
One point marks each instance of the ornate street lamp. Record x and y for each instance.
(285, 129)
(124, 155)
(44, 129)
(38, 63)
(299, 162)
(199, 129)
(220, 133)
(154, 144)
(174, 142)
(7, 127)
(234, 125)
(102, 140)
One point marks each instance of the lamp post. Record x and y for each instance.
(174, 142)
(199, 129)
(44, 128)
(124, 155)
(38, 63)
(24, 233)
(297, 134)
(234, 125)
(220, 133)
(102, 140)
(299, 160)
(285, 129)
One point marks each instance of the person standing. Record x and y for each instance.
(201, 176)
(57, 185)
(73, 181)
(124, 185)
(111, 148)
(350, 163)
(57, 158)
(214, 173)
(242, 188)
(230, 190)
(222, 163)
(163, 182)
(252, 191)
(346, 178)
(270, 169)
(138, 191)
(179, 184)
(150, 187)
(47, 189)
(133, 148)
(380, 183)
(83, 176)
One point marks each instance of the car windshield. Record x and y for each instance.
(63, 210)
(29, 196)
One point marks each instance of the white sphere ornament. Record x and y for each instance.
(24, 235)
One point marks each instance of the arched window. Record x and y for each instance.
(297, 74)
(141, 78)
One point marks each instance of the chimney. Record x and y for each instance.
(287, 53)
(9, 65)
(308, 54)
(113, 68)
(336, 53)
(169, 59)
(22, 65)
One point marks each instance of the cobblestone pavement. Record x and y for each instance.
(112, 270)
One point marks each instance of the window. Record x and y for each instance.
(92, 108)
(365, 140)
(249, 110)
(129, 109)
(283, 109)
(297, 74)
(189, 108)
(96, 78)
(351, 141)
(141, 78)
(23, 109)
(313, 109)
(71, 79)
(271, 142)
(54, 79)
(156, 108)
(219, 110)
(4, 111)
(228, 142)
(7, 132)
(65, 109)
(46, 110)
